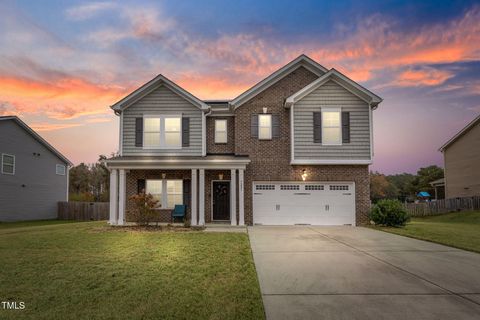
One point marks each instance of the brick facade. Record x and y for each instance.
(270, 160)
(220, 148)
(164, 215)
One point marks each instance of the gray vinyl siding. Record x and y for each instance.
(42, 189)
(162, 101)
(331, 94)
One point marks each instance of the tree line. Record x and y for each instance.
(89, 182)
(404, 186)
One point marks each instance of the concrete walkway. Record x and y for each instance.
(308, 272)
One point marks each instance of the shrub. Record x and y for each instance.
(144, 208)
(390, 213)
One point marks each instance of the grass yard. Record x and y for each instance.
(88, 271)
(459, 230)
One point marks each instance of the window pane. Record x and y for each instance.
(221, 137)
(154, 186)
(173, 139)
(331, 135)
(173, 199)
(151, 139)
(220, 125)
(152, 124)
(7, 168)
(331, 118)
(174, 186)
(264, 120)
(8, 160)
(60, 169)
(172, 124)
(264, 133)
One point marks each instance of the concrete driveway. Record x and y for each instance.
(309, 272)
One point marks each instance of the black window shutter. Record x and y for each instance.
(138, 132)
(275, 126)
(185, 132)
(186, 192)
(345, 127)
(254, 126)
(140, 186)
(317, 127)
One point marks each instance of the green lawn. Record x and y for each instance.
(88, 271)
(459, 229)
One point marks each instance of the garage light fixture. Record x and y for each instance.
(220, 176)
(304, 174)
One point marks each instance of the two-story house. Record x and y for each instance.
(33, 174)
(293, 149)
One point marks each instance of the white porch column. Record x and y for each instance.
(113, 197)
(201, 197)
(121, 197)
(233, 197)
(241, 203)
(194, 198)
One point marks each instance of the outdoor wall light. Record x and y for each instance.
(265, 110)
(304, 174)
(220, 176)
(164, 175)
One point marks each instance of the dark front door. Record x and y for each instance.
(221, 200)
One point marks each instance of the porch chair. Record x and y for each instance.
(180, 211)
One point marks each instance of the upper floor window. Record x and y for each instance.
(60, 169)
(331, 126)
(8, 163)
(264, 126)
(220, 131)
(162, 132)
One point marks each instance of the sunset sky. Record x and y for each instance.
(63, 63)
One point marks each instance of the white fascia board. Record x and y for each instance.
(460, 133)
(329, 162)
(152, 85)
(301, 61)
(340, 79)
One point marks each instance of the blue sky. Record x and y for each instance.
(63, 63)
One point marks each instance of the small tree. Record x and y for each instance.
(144, 208)
(389, 213)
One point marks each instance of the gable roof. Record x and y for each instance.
(342, 80)
(152, 85)
(460, 133)
(37, 137)
(301, 61)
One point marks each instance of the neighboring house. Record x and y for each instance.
(293, 149)
(439, 186)
(461, 155)
(33, 174)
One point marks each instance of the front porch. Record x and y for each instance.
(212, 187)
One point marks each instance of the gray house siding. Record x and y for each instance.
(331, 94)
(162, 100)
(33, 191)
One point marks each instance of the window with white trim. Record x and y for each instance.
(60, 169)
(331, 126)
(8, 163)
(168, 193)
(163, 132)
(220, 131)
(264, 126)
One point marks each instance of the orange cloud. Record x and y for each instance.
(45, 126)
(425, 77)
(65, 98)
(211, 87)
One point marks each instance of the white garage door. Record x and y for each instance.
(315, 203)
